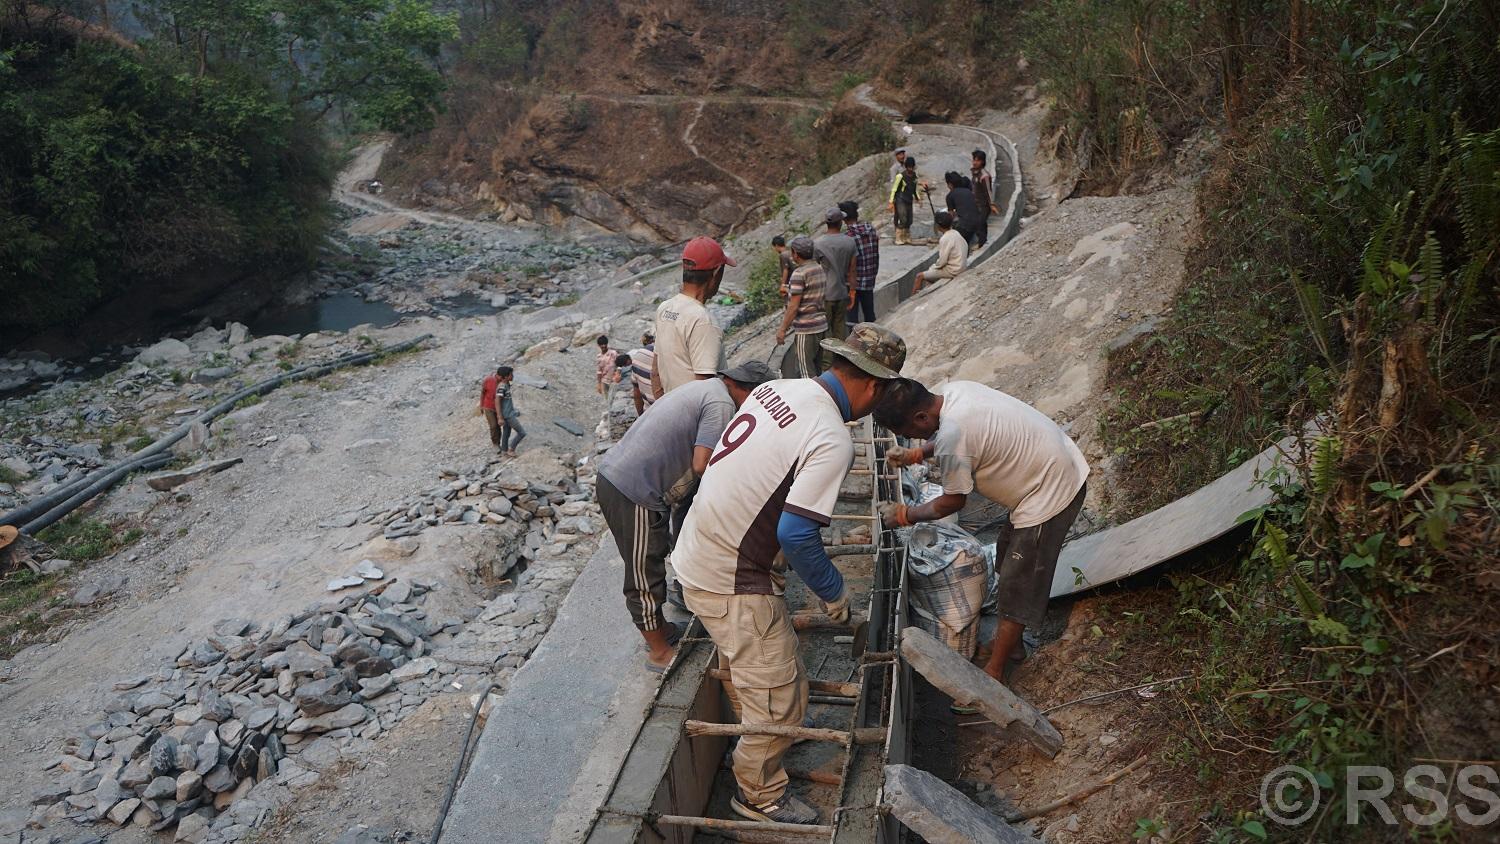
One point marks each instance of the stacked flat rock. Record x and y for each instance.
(496, 496)
(246, 707)
(210, 744)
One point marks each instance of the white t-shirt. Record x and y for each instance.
(688, 343)
(1010, 451)
(787, 449)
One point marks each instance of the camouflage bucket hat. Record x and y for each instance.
(873, 348)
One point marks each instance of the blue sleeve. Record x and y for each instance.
(803, 546)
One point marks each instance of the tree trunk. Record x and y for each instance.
(1232, 64)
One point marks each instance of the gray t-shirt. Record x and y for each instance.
(835, 252)
(657, 452)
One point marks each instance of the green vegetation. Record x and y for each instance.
(1345, 271)
(192, 160)
(848, 82)
(10, 476)
(763, 288)
(83, 539)
(24, 595)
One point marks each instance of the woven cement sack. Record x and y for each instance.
(950, 577)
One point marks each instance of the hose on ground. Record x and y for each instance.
(458, 766)
(40, 523)
(50, 503)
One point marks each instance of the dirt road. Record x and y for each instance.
(259, 542)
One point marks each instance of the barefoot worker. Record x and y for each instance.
(1011, 453)
(650, 470)
(770, 486)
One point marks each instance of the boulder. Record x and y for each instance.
(168, 352)
(589, 330)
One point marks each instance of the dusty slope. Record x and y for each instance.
(255, 541)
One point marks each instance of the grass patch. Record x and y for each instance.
(24, 597)
(84, 539)
(10, 476)
(566, 300)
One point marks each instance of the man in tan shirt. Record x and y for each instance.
(689, 347)
(1010, 452)
(953, 253)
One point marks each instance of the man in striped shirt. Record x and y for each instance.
(805, 315)
(642, 362)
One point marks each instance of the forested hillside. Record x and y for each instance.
(1344, 275)
(150, 175)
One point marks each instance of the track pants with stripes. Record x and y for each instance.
(644, 538)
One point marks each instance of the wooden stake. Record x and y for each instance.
(865, 735)
(1077, 795)
(748, 826)
(820, 777)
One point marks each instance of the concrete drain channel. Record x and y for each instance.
(674, 785)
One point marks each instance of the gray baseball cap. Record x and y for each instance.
(752, 372)
(833, 215)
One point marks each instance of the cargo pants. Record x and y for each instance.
(768, 685)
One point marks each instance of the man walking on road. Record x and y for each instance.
(487, 406)
(835, 252)
(866, 263)
(805, 315)
(653, 468)
(952, 256)
(770, 486)
(1010, 452)
(510, 417)
(903, 198)
(689, 346)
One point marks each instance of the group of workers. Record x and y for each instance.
(733, 472)
(828, 282)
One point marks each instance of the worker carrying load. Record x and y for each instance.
(1010, 452)
(770, 487)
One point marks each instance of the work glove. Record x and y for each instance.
(893, 514)
(838, 608)
(896, 456)
(681, 489)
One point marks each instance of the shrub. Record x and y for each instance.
(763, 289)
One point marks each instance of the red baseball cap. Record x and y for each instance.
(705, 253)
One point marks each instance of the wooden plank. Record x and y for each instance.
(969, 686)
(941, 814)
(827, 687)
(866, 735)
(748, 826)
